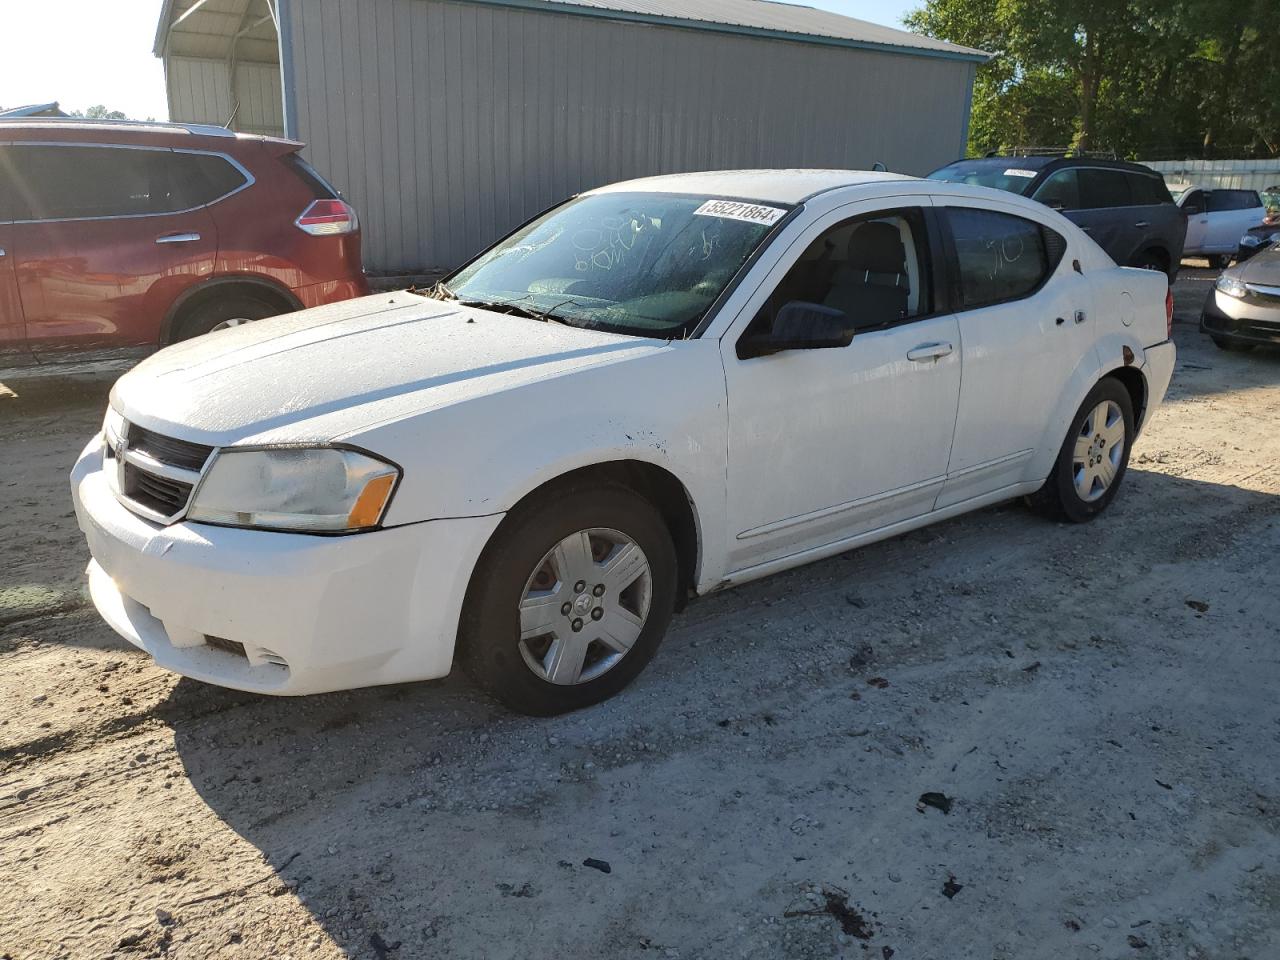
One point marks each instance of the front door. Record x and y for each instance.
(830, 443)
(1026, 323)
(103, 243)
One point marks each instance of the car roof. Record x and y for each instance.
(134, 132)
(1043, 162)
(766, 186)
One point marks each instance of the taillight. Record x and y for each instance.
(1168, 314)
(328, 218)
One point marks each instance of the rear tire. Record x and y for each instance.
(1152, 260)
(530, 578)
(223, 312)
(1093, 458)
(1217, 261)
(1231, 346)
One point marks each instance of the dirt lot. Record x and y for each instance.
(1100, 701)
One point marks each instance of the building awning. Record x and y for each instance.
(218, 30)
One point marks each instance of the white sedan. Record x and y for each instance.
(659, 389)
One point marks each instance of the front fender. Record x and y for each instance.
(482, 455)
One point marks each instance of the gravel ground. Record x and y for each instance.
(1096, 704)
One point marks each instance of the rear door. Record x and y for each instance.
(1107, 211)
(1025, 319)
(105, 239)
(1231, 214)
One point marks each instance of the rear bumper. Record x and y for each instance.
(278, 613)
(1158, 364)
(1245, 321)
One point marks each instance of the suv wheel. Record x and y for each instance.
(1094, 456)
(1217, 261)
(1151, 260)
(223, 313)
(570, 601)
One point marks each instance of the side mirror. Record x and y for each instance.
(800, 326)
(1056, 205)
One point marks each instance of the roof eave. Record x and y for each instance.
(162, 29)
(952, 52)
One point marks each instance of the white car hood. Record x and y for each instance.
(321, 374)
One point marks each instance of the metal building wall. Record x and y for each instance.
(448, 123)
(200, 92)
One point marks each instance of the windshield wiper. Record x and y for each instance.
(513, 307)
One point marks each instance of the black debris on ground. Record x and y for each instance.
(594, 864)
(951, 888)
(836, 904)
(939, 801)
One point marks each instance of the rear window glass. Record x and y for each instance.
(1220, 200)
(1104, 188)
(1013, 174)
(1000, 256)
(73, 182)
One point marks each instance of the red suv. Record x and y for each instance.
(139, 235)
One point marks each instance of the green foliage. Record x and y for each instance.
(99, 112)
(1145, 78)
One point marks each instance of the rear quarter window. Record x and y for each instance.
(320, 188)
(999, 256)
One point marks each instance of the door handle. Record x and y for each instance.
(1142, 223)
(1, 251)
(1087, 229)
(929, 351)
(1081, 316)
(178, 238)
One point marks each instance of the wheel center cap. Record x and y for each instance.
(583, 604)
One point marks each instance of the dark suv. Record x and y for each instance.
(1125, 207)
(123, 237)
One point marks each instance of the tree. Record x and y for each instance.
(1141, 77)
(99, 112)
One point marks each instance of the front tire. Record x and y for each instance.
(1094, 456)
(570, 599)
(1217, 261)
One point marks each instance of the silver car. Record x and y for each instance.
(1243, 309)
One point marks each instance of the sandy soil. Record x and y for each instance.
(1099, 703)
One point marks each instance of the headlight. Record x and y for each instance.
(314, 490)
(1231, 286)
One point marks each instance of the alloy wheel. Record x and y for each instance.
(584, 606)
(1099, 451)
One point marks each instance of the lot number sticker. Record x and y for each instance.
(736, 210)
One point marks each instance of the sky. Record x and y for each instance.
(86, 52)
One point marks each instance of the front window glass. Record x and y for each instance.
(1011, 174)
(872, 269)
(1061, 191)
(644, 264)
(75, 182)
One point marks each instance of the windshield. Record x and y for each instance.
(1002, 174)
(644, 264)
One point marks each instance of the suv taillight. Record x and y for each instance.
(328, 218)
(1168, 314)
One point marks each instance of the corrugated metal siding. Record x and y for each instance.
(199, 92)
(447, 123)
(1231, 174)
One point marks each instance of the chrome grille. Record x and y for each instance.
(179, 453)
(154, 475)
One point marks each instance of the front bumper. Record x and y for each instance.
(1246, 320)
(278, 613)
